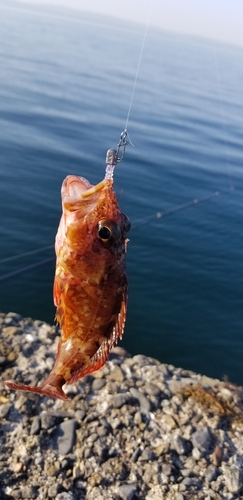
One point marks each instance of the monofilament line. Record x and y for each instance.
(139, 64)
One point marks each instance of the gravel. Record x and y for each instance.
(137, 429)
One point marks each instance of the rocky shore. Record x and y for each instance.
(137, 429)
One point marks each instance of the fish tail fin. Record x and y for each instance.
(52, 387)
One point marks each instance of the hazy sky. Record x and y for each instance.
(219, 19)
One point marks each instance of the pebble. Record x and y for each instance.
(80, 414)
(118, 400)
(151, 389)
(127, 432)
(54, 490)
(2, 360)
(35, 426)
(143, 400)
(166, 469)
(179, 444)
(98, 383)
(179, 496)
(146, 455)
(127, 491)
(27, 492)
(233, 478)
(47, 420)
(116, 374)
(155, 493)
(4, 410)
(202, 439)
(65, 434)
(211, 473)
(65, 496)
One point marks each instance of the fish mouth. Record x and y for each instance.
(78, 188)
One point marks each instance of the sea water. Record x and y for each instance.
(65, 88)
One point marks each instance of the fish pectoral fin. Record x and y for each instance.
(100, 357)
(56, 292)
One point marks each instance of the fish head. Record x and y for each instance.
(92, 234)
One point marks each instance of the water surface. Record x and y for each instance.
(65, 87)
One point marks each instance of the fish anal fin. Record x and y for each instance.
(100, 357)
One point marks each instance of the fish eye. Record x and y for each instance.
(104, 233)
(107, 231)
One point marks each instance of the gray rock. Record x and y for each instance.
(116, 374)
(65, 434)
(65, 496)
(35, 426)
(189, 481)
(156, 493)
(119, 400)
(164, 369)
(182, 487)
(54, 490)
(152, 389)
(15, 494)
(143, 400)
(98, 383)
(80, 485)
(136, 454)
(138, 418)
(186, 472)
(146, 455)
(177, 385)
(80, 414)
(39, 460)
(27, 492)
(17, 317)
(9, 321)
(233, 479)
(179, 444)
(179, 496)
(127, 491)
(190, 463)
(87, 452)
(202, 439)
(4, 410)
(166, 469)
(47, 420)
(211, 473)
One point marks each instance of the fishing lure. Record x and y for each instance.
(90, 286)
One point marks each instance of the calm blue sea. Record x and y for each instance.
(66, 80)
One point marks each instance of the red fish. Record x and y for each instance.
(90, 287)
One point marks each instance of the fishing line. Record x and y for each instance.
(173, 210)
(25, 254)
(139, 64)
(25, 269)
(221, 113)
(112, 155)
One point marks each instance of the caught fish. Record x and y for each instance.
(90, 286)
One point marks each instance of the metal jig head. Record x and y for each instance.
(112, 155)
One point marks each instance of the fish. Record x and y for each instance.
(90, 284)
